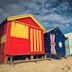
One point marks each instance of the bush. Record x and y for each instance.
(0, 61)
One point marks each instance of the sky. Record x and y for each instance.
(49, 13)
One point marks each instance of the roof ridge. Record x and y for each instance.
(48, 30)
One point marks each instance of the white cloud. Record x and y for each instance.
(48, 12)
(64, 21)
(52, 17)
(56, 18)
(63, 6)
(67, 25)
(1, 10)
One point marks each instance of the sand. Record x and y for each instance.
(63, 65)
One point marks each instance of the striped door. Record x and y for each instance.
(35, 40)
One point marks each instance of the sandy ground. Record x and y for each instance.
(63, 65)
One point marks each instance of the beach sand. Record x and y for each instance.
(62, 65)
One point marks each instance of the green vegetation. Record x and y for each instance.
(0, 61)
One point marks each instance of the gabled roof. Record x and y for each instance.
(68, 35)
(25, 16)
(50, 29)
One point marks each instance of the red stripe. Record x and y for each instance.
(68, 46)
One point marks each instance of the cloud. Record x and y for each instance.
(48, 12)
(54, 17)
(1, 10)
(63, 6)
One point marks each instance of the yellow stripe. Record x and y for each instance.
(37, 40)
(34, 40)
(31, 39)
(40, 41)
(3, 39)
(12, 28)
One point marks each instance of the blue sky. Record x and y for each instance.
(48, 12)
